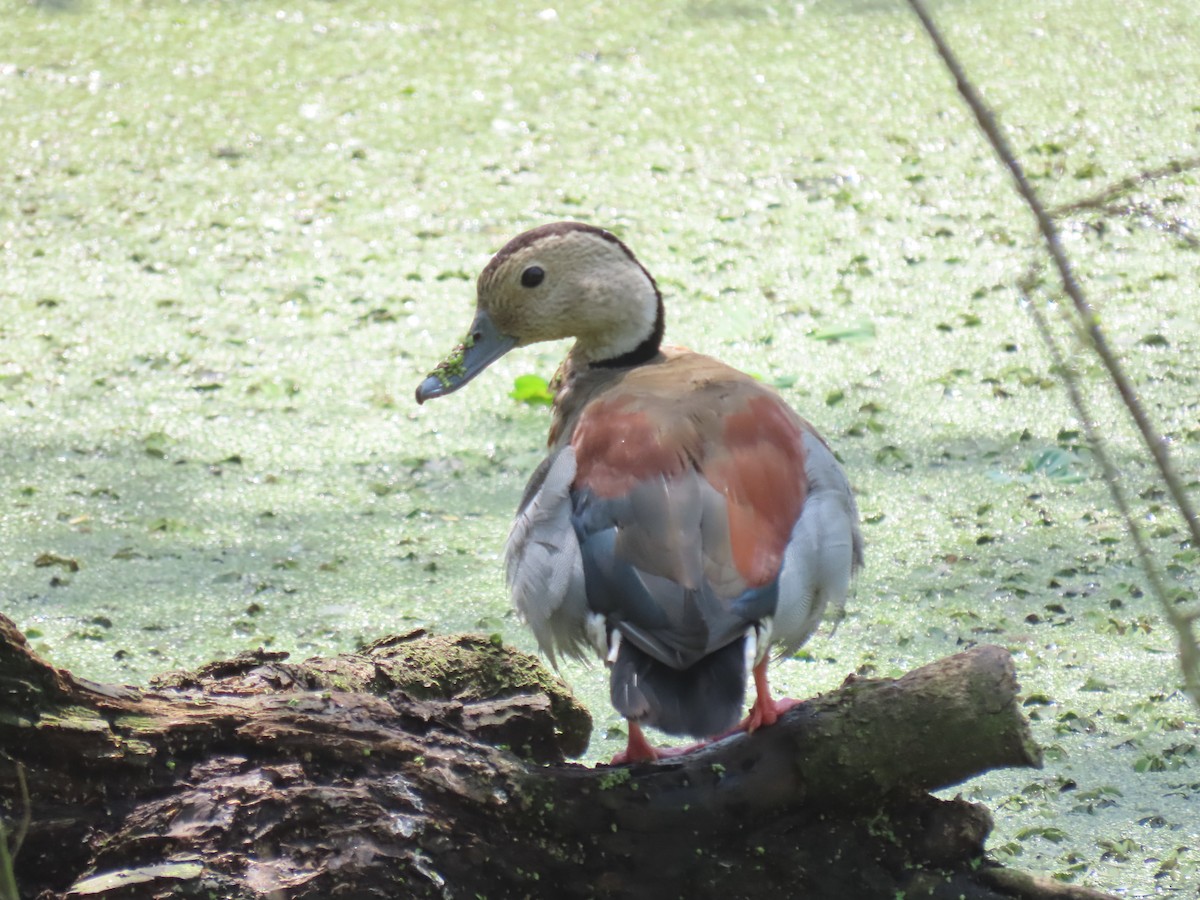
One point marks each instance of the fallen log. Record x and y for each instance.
(433, 767)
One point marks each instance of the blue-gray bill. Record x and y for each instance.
(483, 345)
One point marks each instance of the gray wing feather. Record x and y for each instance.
(543, 562)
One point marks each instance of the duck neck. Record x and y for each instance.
(638, 345)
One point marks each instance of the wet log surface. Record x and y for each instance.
(433, 767)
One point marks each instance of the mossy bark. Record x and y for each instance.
(433, 767)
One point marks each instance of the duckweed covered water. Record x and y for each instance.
(234, 238)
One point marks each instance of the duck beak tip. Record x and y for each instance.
(483, 347)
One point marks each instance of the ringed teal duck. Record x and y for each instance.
(685, 521)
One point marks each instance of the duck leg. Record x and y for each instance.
(766, 709)
(638, 749)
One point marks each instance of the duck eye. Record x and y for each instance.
(532, 277)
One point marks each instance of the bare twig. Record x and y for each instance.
(8, 854)
(1104, 197)
(8, 879)
(26, 812)
(1135, 211)
(1189, 653)
(1138, 213)
(1046, 225)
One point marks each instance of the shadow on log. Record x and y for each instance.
(433, 767)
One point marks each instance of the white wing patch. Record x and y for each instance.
(544, 565)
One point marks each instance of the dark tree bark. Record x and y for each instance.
(432, 767)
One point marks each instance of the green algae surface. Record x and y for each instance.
(234, 237)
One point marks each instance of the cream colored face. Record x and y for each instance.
(576, 284)
(560, 280)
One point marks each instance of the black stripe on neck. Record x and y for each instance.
(647, 349)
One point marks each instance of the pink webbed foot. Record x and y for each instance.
(766, 709)
(768, 713)
(638, 749)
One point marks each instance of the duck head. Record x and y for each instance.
(563, 280)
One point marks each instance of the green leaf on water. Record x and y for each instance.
(1058, 465)
(155, 444)
(54, 559)
(864, 331)
(531, 389)
(781, 382)
(1049, 832)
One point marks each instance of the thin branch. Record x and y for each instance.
(26, 812)
(1189, 653)
(1091, 327)
(8, 855)
(1103, 198)
(1136, 211)
(8, 879)
(1091, 321)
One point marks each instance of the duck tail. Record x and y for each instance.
(703, 700)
